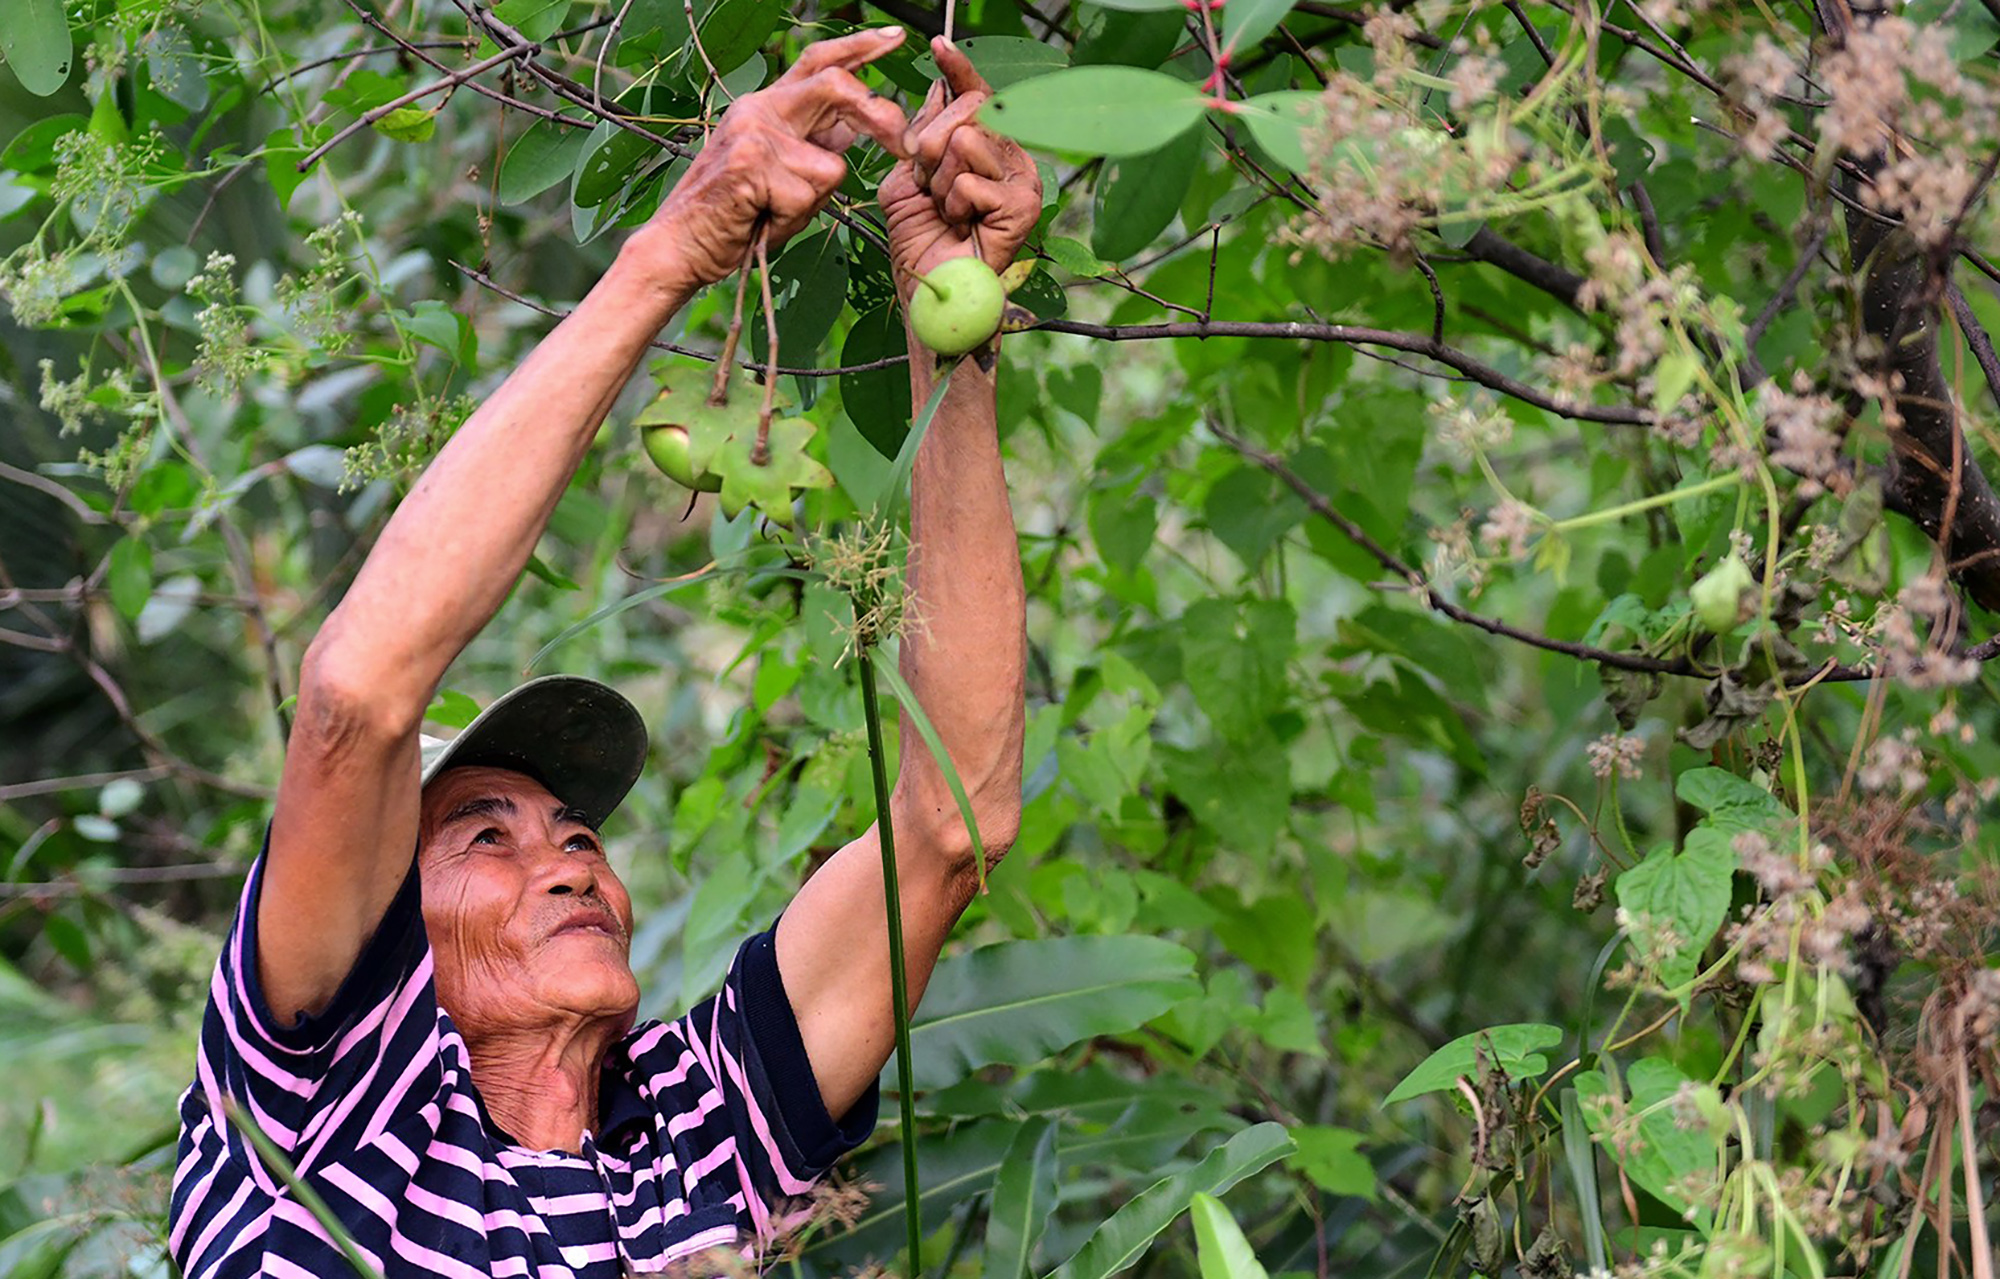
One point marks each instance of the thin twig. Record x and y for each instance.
(1419, 344)
(81, 781)
(485, 281)
(43, 484)
(451, 81)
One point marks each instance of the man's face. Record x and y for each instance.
(528, 923)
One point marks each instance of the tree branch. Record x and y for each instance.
(887, 361)
(1484, 374)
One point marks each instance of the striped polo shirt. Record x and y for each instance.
(711, 1132)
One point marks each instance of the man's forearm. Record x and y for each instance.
(965, 658)
(459, 541)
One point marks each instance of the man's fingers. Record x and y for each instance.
(927, 144)
(972, 150)
(957, 69)
(817, 108)
(803, 178)
(849, 52)
(1008, 210)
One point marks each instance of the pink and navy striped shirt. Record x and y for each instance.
(711, 1132)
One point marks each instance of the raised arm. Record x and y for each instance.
(966, 663)
(346, 820)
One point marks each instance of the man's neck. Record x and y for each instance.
(540, 1084)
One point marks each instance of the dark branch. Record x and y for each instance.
(1419, 344)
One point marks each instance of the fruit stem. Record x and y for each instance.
(718, 392)
(943, 295)
(760, 452)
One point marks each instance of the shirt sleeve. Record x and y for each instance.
(745, 1047)
(356, 1060)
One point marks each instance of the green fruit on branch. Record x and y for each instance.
(667, 445)
(957, 307)
(1724, 595)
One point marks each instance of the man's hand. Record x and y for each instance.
(774, 159)
(960, 188)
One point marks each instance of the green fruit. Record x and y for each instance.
(667, 445)
(957, 306)
(1724, 595)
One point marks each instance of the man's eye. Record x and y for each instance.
(491, 835)
(582, 843)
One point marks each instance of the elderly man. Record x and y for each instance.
(444, 1045)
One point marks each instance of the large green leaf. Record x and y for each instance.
(1219, 1243)
(1138, 197)
(1024, 1194)
(1513, 1049)
(1245, 22)
(1017, 1002)
(1687, 891)
(1004, 61)
(1676, 1133)
(541, 157)
(1732, 804)
(34, 36)
(1119, 1241)
(1280, 122)
(1096, 111)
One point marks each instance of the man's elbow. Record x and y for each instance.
(941, 830)
(348, 703)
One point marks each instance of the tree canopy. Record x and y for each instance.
(1505, 498)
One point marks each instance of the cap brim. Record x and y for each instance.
(579, 738)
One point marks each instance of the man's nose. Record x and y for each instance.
(565, 874)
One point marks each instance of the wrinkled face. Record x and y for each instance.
(528, 923)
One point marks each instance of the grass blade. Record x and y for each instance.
(907, 697)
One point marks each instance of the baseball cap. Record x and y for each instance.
(576, 736)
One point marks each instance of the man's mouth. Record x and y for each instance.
(597, 921)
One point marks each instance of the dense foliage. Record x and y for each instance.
(1510, 555)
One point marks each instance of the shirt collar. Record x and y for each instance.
(619, 1103)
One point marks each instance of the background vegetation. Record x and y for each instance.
(1503, 495)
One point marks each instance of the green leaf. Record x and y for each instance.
(1732, 804)
(1024, 1197)
(1513, 1049)
(896, 491)
(1331, 1158)
(732, 30)
(1688, 890)
(1017, 1002)
(1114, 111)
(535, 19)
(1672, 377)
(1003, 61)
(1107, 34)
(1138, 198)
(809, 288)
(35, 39)
(540, 158)
(907, 698)
(1122, 523)
(1073, 256)
(1245, 22)
(1670, 1148)
(1121, 1240)
(1280, 122)
(1141, 6)
(1219, 1243)
(129, 575)
(1237, 655)
(451, 708)
(408, 124)
(877, 400)
(768, 484)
